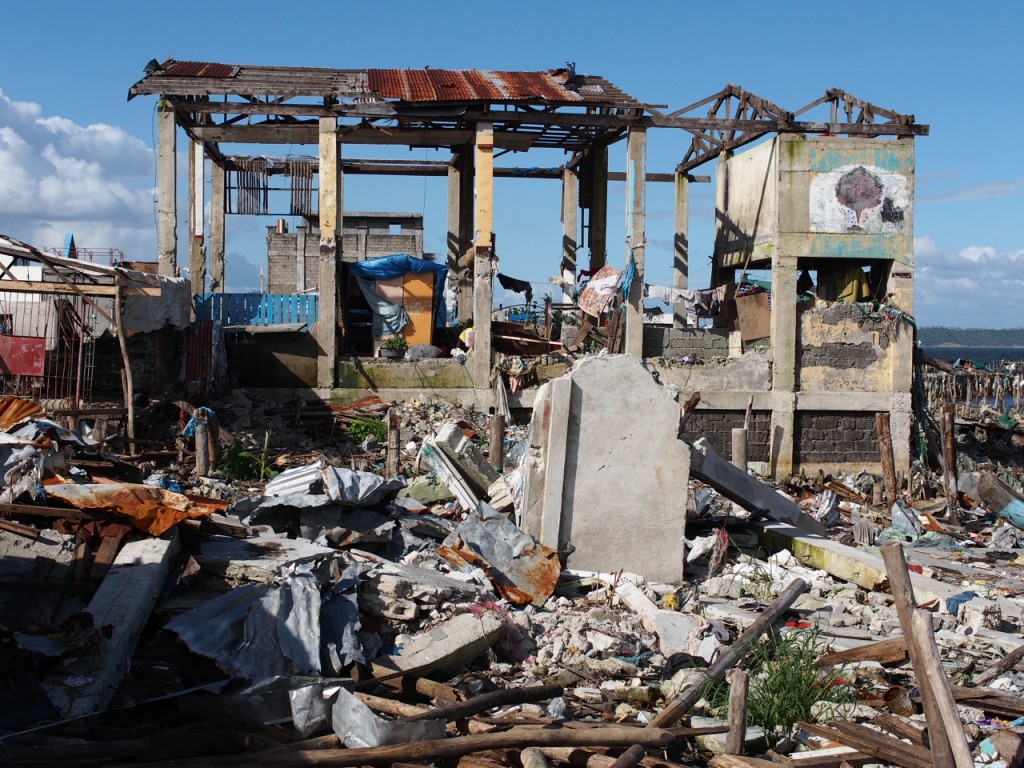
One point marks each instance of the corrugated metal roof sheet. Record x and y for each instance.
(197, 69)
(421, 85)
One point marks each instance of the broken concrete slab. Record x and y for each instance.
(746, 490)
(426, 490)
(464, 454)
(605, 455)
(123, 604)
(447, 647)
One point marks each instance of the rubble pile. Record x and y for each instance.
(389, 601)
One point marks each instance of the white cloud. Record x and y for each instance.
(57, 177)
(986, 191)
(978, 287)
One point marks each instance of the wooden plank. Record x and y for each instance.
(34, 286)
(871, 742)
(891, 651)
(901, 727)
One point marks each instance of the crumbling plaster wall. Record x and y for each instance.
(677, 343)
(842, 349)
(746, 213)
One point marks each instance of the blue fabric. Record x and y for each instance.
(386, 267)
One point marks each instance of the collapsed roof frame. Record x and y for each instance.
(479, 115)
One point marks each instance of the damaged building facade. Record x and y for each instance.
(805, 358)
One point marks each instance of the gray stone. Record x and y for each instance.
(470, 461)
(449, 646)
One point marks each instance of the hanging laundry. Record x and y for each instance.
(708, 303)
(516, 286)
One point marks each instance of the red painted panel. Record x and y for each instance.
(22, 355)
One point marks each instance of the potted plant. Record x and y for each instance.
(392, 346)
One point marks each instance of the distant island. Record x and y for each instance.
(941, 336)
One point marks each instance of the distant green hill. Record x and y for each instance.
(971, 337)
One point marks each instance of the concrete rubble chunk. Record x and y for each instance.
(605, 456)
(447, 647)
(465, 455)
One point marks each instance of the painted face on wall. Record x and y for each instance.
(859, 198)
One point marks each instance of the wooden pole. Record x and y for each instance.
(394, 447)
(888, 464)
(953, 727)
(532, 757)
(496, 447)
(129, 392)
(214, 438)
(630, 758)
(949, 459)
(903, 594)
(739, 447)
(1009, 661)
(739, 681)
(679, 706)
(486, 701)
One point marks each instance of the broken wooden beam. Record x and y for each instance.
(891, 651)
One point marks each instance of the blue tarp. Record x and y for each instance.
(388, 317)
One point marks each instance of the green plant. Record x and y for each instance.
(785, 685)
(360, 429)
(394, 342)
(240, 463)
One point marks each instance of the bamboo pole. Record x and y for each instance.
(739, 682)
(129, 391)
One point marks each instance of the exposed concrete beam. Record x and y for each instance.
(331, 207)
(218, 178)
(570, 221)
(597, 230)
(681, 245)
(196, 216)
(483, 255)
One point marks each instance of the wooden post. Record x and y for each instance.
(394, 443)
(570, 223)
(630, 758)
(739, 447)
(483, 256)
(924, 635)
(202, 440)
(636, 237)
(126, 378)
(678, 707)
(903, 595)
(739, 684)
(214, 438)
(331, 198)
(949, 459)
(167, 188)
(218, 181)
(197, 206)
(681, 246)
(888, 465)
(496, 445)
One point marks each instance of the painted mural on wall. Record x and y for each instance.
(859, 198)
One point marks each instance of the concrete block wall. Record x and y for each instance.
(836, 438)
(677, 343)
(281, 260)
(717, 427)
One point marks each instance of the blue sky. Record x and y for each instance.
(75, 155)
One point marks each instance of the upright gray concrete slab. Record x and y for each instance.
(624, 475)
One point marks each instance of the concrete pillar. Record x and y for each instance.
(331, 206)
(218, 179)
(196, 218)
(167, 188)
(636, 236)
(681, 246)
(300, 258)
(598, 230)
(783, 328)
(483, 255)
(460, 229)
(570, 222)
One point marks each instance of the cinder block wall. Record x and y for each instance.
(677, 343)
(836, 438)
(717, 427)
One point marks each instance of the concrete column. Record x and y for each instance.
(718, 274)
(681, 246)
(783, 328)
(483, 255)
(331, 205)
(218, 179)
(167, 188)
(300, 258)
(570, 222)
(460, 229)
(196, 217)
(598, 231)
(636, 236)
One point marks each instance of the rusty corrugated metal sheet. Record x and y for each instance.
(197, 69)
(150, 509)
(15, 410)
(420, 85)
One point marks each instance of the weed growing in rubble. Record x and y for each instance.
(360, 429)
(240, 463)
(785, 685)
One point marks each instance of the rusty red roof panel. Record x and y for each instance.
(417, 85)
(197, 69)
